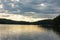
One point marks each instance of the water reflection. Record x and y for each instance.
(55, 28)
(26, 32)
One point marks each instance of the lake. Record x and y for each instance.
(26, 32)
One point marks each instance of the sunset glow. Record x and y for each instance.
(17, 17)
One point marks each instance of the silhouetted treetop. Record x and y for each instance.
(57, 20)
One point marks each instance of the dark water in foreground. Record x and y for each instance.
(26, 32)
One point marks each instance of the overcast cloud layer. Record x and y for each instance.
(35, 8)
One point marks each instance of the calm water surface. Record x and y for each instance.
(26, 32)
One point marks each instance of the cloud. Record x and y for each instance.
(50, 16)
(33, 5)
(37, 6)
(40, 15)
(30, 14)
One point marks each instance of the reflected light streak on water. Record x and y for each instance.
(25, 32)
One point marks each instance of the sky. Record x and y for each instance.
(32, 8)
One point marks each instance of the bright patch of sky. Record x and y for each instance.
(16, 17)
(1, 6)
(34, 8)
